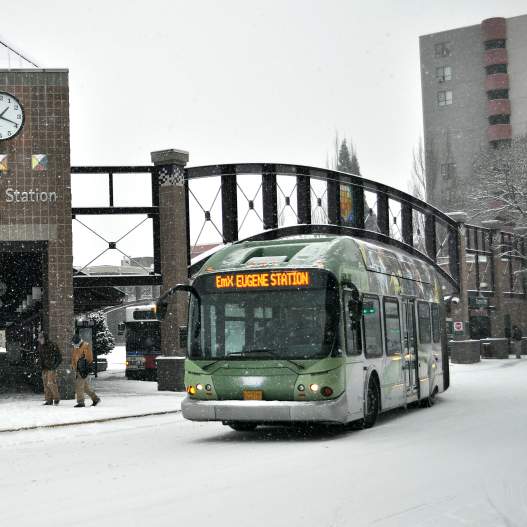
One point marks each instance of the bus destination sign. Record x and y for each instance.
(263, 279)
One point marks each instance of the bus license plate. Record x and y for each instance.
(252, 395)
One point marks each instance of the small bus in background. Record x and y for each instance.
(142, 333)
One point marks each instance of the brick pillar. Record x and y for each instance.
(58, 304)
(173, 215)
(460, 311)
(497, 326)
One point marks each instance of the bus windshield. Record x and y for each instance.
(292, 324)
(143, 337)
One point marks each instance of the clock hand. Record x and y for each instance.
(8, 120)
(2, 114)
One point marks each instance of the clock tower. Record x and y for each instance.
(35, 204)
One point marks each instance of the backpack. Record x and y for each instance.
(83, 367)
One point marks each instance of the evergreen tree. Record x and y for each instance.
(344, 159)
(355, 167)
(103, 341)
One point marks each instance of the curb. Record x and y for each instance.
(92, 421)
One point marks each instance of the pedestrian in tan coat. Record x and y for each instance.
(82, 384)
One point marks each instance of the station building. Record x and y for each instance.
(36, 268)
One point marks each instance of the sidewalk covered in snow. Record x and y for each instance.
(120, 397)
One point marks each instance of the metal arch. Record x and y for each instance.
(435, 221)
(284, 169)
(296, 230)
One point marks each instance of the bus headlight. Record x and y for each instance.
(199, 386)
(191, 390)
(300, 387)
(314, 387)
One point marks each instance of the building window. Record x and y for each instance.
(423, 314)
(371, 323)
(495, 44)
(497, 94)
(496, 68)
(442, 49)
(444, 98)
(499, 119)
(392, 327)
(436, 333)
(448, 170)
(444, 73)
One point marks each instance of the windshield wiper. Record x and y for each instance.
(270, 352)
(210, 364)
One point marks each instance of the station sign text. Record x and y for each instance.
(268, 279)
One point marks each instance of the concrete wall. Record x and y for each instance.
(517, 51)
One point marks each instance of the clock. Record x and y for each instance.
(11, 116)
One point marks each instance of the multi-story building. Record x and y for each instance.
(474, 87)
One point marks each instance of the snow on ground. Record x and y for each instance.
(117, 359)
(120, 397)
(461, 463)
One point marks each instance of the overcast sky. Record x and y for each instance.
(242, 80)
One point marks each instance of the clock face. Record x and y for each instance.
(11, 116)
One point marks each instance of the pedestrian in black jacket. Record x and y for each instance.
(50, 359)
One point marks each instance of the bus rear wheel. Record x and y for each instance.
(429, 401)
(241, 426)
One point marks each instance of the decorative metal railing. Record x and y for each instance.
(252, 199)
(140, 215)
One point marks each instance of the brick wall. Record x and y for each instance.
(44, 95)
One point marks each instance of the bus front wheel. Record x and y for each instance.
(372, 407)
(241, 426)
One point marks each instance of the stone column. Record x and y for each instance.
(173, 214)
(497, 314)
(460, 311)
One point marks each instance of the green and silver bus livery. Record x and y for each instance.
(312, 328)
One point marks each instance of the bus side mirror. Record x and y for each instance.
(120, 328)
(161, 309)
(162, 301)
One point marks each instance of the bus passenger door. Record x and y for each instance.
(410, 350)
(354, 361)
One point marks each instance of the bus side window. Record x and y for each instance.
(353, 338)
(392, 326)
(371, 322)
(436, 336)
(423, 315)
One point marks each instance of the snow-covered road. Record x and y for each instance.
(461, 463)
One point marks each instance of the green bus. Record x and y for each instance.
(313, 328)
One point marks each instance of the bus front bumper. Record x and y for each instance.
(332, 411)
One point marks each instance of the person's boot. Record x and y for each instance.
(56, 402)
(96, 401)
(79, 405)
(48, 403)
